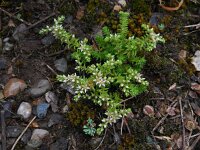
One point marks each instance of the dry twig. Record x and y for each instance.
(102, 139)
(163, 119)
(182, 121)
(13, 16)
(13, 147)
(194, 143)
(3, 130)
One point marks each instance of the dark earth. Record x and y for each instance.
(165, 117)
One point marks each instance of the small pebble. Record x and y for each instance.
(3, 63)
(13, 87)
(8, 46)
(25, 109)
(13, 131)
(55, 119)
(20, 32)
(48, 40)
(52, 99)
(67, 87)
(42, 110)
(26, 137)
(37, 137)
(61, 65)
(60, 144)
(40, 88)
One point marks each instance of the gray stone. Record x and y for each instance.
(60, 144)
(55, 119)
(3, 63)
(25, 110)
(34, 143)
(13, 131)
(94, 142)
(26, 137)
(68, 87)
(37, 136)
(6, 39)
(156, 18)
(39, 133)
(48, 40)
(8, 46)
(40, 88)
(65, 109)
(20, 32)
(61, 65)
(52, 99)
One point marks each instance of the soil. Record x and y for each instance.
(169, 73)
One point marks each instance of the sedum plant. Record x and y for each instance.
(110, 71)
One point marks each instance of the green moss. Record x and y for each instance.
(79, 113)
(140, 6)
(68, 7)
(140, 131)
(96, 12)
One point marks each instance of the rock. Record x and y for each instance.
(13, 87)
(37, 137)
(94, 142)
(13, 131)
(61, 65)
(3, 63)
(48, 40)
(42, 110)
(155, 19)
(8, 46)
(52, 99)
(25, 109)
(8, 108)
(20, 32)
(34, 143)
(6, 39)
(65, 109)
(40, 88)
(122, 2)
(55, 119)
(68, 87)
(148, 110)
(60, 144)
(196, 60)
(26, 137)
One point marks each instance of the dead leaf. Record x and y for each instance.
(117, 8)
(80, 13)
(171, 111)
(182, 54)
(190, 125)
(179, 142)
(196, 108)
(195, 87)
(11, 23)
(192, 94)
(148, 110)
